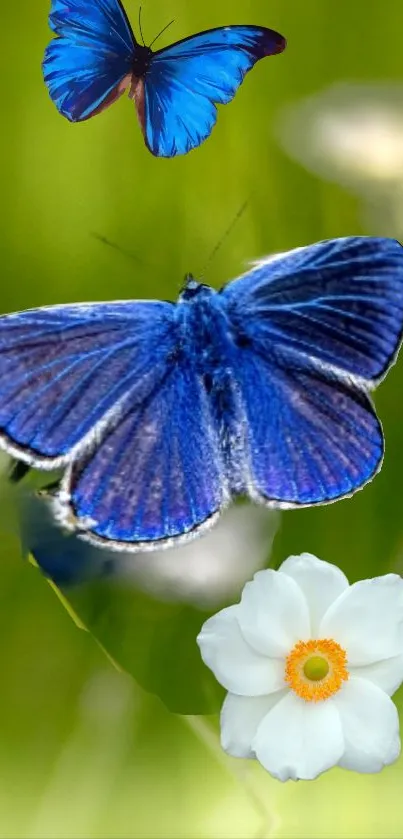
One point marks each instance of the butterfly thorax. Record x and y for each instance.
(205, 328)
(141, 61)
(191, 289)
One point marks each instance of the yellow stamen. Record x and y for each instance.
(316, 669)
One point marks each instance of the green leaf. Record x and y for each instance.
(155, 642)
(152, 639)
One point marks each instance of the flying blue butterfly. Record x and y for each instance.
(162, 412)
(96, 58)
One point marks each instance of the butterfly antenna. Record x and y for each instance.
(161, 33)
(116, 247)
(141, 31)
(225, 236)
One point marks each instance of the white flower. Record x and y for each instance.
(310, 664)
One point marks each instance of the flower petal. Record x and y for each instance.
(273, 614)
(299, 739)
(236, 665)
(240, 719)
(367, 620)
(386, 674)
(321, 582)
(370, 725)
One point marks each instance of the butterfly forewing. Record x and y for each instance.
(186, 80)
(90, 63)
(339, 301)
(95, 22)
(65, 370)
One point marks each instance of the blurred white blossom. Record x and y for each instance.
(310, 664)
(212, 568)
(206, 571)
(353, 134)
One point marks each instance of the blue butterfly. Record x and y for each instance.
(96, 58)
(162, 412)
(61, 556)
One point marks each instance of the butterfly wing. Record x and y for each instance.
(104, 389)
(186, 80)
(317, 327)
(155, 477)
(89, 64)
(311, 437)
(65, 372)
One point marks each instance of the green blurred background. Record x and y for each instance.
(85, 751)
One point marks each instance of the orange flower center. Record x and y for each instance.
(315, 670)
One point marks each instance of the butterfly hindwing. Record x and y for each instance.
(89, 64)
(186, 80)
(156, 475)
(65, 369)
(311, 436)
(319, 326)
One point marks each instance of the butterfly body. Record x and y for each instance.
(161, 412)
(95, 58)
(210, 344)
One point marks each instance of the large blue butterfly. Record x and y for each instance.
(96, 58)
(161, 412)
